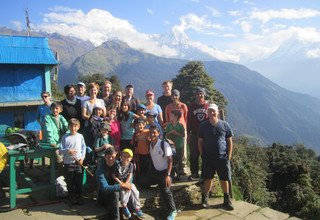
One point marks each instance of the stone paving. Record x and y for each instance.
(37, 206)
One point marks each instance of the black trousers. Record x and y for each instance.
(73, 175)
(110, 200)
(194, 154)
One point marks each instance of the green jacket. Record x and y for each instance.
(53, 132)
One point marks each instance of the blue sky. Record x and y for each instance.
(231, 30)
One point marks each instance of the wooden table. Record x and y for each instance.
(45, 150)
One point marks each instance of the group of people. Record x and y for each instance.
(136, 143)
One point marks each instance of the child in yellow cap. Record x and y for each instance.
(123, 174)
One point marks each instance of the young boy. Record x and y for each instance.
(123, 174)
(140, 141)
(162, 162)
(73, 149)
(151, 116)
(103, 142)
(141, 110)
(175, 131)
(55, 127)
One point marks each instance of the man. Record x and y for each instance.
(197, 113)
(81, 92)
(133, 101)
(106, 92)
(215, 148)
(165, 99)
(108, 193)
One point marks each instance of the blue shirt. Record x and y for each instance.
(127, 129)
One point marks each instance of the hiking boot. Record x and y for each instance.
(126, 212)
(193, 177)
(140, 214)
(205, 201)
(80, 200)
(227, 204)
(72, 200)
(172, 215)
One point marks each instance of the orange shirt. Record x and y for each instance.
(182, 107)
(142, 142)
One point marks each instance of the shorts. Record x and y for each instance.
(221, 165)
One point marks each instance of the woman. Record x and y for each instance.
(150, 105)
(71, 106)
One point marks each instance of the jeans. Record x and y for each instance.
(110, 200)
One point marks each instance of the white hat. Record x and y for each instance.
(213, 106)
(81, 84)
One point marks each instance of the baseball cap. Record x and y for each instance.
(175, 92)
(139, 120)
(81, 84)
(141, 106)
(129, 86)
(152, 113)
(213, 106)
(201, 89)
(149, 92)
(105, 126)
(128, 151)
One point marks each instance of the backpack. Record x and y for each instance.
(170, 142)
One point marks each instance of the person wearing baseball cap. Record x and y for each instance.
(123, 173)
(215, 148)
(81, 92)
(129, 97)
(197, 113)
(150, 105)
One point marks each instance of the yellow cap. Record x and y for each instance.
(128, 151)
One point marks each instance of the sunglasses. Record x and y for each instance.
(44, 96)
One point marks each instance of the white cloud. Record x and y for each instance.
(265, 16)
(98, 26)
(245, 26)
(314, 53)
(17, 25)
(234, 13)
(214, 12)
(150, 11)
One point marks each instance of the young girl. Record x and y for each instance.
(126, 118)
(115, 132)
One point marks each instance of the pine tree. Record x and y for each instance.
(194, 75)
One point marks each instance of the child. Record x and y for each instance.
(103, 141)
(141, 110)
(55, 127)
(73, 149)
(175, 131)
(123, 174)
(151, 121)
(162, 163)
(140, 141)
(115, 132)
(91, 132)
(126, 118)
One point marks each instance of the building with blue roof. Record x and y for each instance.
(25, 71)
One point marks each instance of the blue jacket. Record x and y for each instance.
(104, 177)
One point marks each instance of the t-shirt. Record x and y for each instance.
(99, 142)
(122, 172)
(159, 161)
(196, 114)
(142, 143)
(115, 133)
(42, 111)
(75, 142)
(182, 108)
(214, 139)
(163, 101)
(177, 140)
(127, 129)
(90, 107)
(157, 109)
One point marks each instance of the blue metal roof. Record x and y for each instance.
(25, 50)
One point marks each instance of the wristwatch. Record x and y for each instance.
(168, 174)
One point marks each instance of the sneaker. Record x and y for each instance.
(140, 214)
(228, 205)
(194, 177)
(205, 201)
(172, 215)
(126, 212)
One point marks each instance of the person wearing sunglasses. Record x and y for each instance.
(44, 109)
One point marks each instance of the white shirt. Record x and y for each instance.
(160, 162)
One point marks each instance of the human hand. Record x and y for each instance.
(168, 181)
(80, 161)
(72, 152)
(126, 186)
